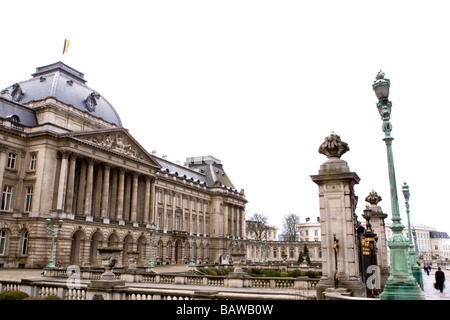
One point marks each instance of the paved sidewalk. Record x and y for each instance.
(430, 292)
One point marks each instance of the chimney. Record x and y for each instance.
(307, 219)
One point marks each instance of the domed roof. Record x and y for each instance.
(67, 85)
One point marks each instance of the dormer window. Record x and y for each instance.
(14, 118)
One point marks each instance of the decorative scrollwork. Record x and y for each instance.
(17, 93)
(90, 102)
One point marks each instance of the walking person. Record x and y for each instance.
(439, 276)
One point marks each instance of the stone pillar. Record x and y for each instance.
(81, 188)
(337, 216)
(113, 197)
(225, 220)
(105, 193)
(70, 184)
(120, 191)
(3, 157)
(89, 188)
(97, 191)
(127, 198)
(147, 200)
(153, 200)
(62, 181)
(134, 198)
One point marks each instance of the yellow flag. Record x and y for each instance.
(66, 46)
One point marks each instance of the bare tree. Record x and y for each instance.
(290, 223)
(258, 225)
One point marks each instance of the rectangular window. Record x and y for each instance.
(28, 197)
(6, 198)
(177, 223)
(2, 242)
(159, 196)
(11, 161)
(178, 201)
(33, 160)
(25, 244)
(158, 221)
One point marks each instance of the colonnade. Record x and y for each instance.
(97, 190)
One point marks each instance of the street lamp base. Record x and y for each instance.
(406, 289)
(50, 266)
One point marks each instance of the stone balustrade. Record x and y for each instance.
(141, 286)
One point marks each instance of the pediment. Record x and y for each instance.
(117, 141)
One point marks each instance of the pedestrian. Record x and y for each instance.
(427, 269)
(439, 276)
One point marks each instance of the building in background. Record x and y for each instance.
(65, 154)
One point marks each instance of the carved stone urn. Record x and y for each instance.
(109, 257)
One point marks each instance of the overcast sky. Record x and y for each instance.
(259, 85)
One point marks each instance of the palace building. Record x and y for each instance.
(65, 155)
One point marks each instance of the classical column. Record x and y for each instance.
(152, 200)
(97, 191)
(105, 193)
(134, 198)
(147, 200)
(243, 226)
(89, 188)
(225, 220)
(127, 198)
(238, 222)
(81, 188)
(113, 198)
(70, 184)
(62, 180)
(120, 191)
(3, 158)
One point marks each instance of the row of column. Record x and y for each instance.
(234, 221)
(179, 217)
(110, 194)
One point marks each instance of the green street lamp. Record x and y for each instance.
(413, 257)
(401, 285)
(55, 229)
(150, 264)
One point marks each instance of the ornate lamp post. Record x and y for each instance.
(413, 258)
(150, 264)
(401, 285)
(55, 229)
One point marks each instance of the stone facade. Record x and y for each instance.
(65, 155)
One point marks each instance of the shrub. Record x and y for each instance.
(271, 273)
(219, 272)
(311, 274)
(284, 274)
(52, 297)
(295, 273)
(212, 273)
(13, 295)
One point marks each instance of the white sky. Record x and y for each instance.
(259, 85)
